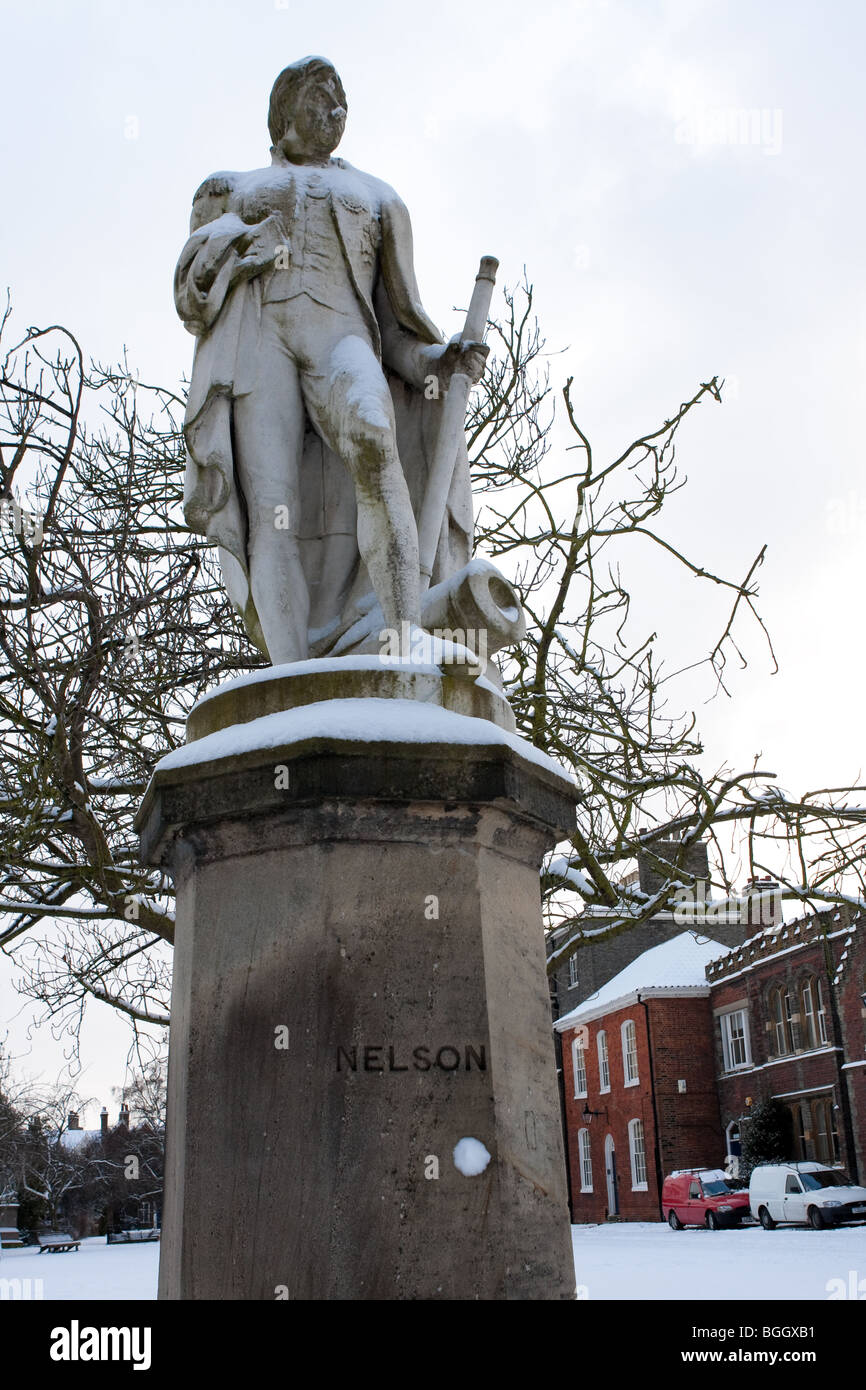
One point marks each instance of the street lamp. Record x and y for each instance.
(589, 1115)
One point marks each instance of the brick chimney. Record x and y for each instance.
(103, 1119)
(123, 1117)
(763, 903)
(692, 857)
(72, 1120)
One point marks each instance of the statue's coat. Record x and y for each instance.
(225, 318)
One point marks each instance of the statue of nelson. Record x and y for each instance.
(298, 281)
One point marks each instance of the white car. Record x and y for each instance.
(802, 1193)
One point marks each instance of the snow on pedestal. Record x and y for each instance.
(359, 990)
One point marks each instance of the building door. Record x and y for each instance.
(732, 1158)
(610, 1174)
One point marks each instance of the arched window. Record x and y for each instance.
(802, 1129)
(610, 1175)
(779, 1015)
(578, 1062)
(792, 1018)
(808, 1013)
(585, 1160)
(603, 1062)
(822, 1016)
(637, 1150)
(629, 1053)
(824, 1130)
(815, 1129)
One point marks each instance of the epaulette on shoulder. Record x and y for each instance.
(215, 186)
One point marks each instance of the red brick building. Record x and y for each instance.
(662, 1066)
(790, 1022)
(640, 1082)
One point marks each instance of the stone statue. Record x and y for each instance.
(320, 808)
(317, 389)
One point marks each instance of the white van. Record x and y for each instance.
(804, 1192)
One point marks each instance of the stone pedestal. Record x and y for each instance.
(359, 986)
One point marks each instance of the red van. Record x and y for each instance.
(702, 1197)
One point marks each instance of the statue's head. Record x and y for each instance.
(307, 112)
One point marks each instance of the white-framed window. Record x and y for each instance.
(629, 1053)
(779, 1021)
(637, 1150)
(822, 1013)
(572, 971)
(603, 1062)
(578, 1062)
(807, 1009)
(735, 1039)
(792, 1018)
(585, 1160)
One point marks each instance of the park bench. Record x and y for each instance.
(125, 1237)
(55, 1242)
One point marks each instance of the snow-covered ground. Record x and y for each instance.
(645, 1259)
(625, 1260)
(96, 1270)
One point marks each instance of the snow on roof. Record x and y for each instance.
(73, 1138)
(674, 967)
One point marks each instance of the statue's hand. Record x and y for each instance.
(260, 246)
(460, 356)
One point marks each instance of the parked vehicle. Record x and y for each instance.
(702, 1197)
(797, 1193)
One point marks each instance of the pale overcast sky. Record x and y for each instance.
(588, 140)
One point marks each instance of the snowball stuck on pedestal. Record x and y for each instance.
(470, 1157)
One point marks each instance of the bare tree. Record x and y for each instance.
(11, 1124)
(127, 1164)
(145, 1094)
(49, 1169)
(75, 1178)
(599, 699)
(113, 622)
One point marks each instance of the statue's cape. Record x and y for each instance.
(339, 587)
